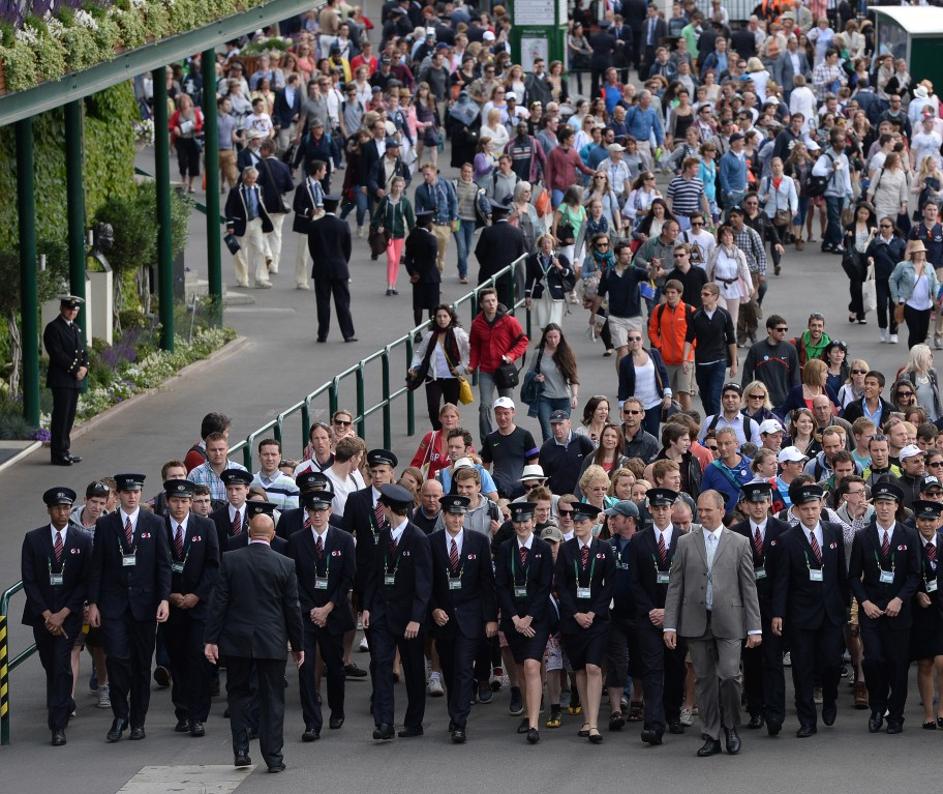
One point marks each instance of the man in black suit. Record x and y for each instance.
(247, 218)
(128, 594)
(56, 563)
(634, 11)
(296, 518)
(653, 31)
(419, 259)
(396, 603)
(286, 111)
(884, 574)
(308, 204)
(231, 519)
(275, 181)
(810, 599)
(194, 552)
(498, 246)
(763, 678)
(257, 507)
(650, 555)
(463, 605)
(68, 366)
(254, 616)
(329, 245)
(325, 565)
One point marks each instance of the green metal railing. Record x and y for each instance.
(7, 667)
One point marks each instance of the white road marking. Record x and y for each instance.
(200, 779)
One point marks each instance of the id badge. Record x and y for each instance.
(887, 577)
(55, 579)
(931, 586)
(661, 577)
(759, 573)
(622, 566)
(520, 591)
(129, 560)
(455, 584)
(584, 592)
(176, 567)
(389, 579)
(320, 582)
(815, 574)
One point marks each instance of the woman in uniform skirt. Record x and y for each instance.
(926, 633)
(523, 573)
(585, 572)
(420, 262)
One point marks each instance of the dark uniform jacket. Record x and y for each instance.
(598, 576)
(66, 349)
(329, 245)
(241, 540)
(645, 567)
(475, 603)
(338, 566)
(360, 521)
(220, 517)
(419, 256)
(766, 561)
(903, 561)
(407, 599)
(39, 561)
(538, 577)
(200, 562)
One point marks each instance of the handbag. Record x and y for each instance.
(377, 241)
(507, 376)
(566, 234)
(869, 292)
(532, 388)
(465, 394)
(232, 243)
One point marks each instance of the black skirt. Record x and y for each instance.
(523, 648)
(587, 646)
(926, 633)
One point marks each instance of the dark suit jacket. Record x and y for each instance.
(329, 245)
(783, 72)
(419, 256)
(802, 603)
(248, 157)
(643, 562)
(283, 113)
(67, 353)
(241, 540)
(407, 599)
(498, 246)
(377, 175)
(38, 560)
(201, 562)
(370, 156)
(536, 282)
(360, 521)
(237, 213)
(220, 517)
(538, 577)
(476, 602)
(290, 521)
(864, 571)
(743, 42)
(254, 612)
(339, 567)
(661, 31)
(602, 564)
(767, 560)
(274, 179)
(855, 410)
(140, 587)
(303, 203)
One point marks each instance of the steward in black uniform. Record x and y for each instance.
(68, 366)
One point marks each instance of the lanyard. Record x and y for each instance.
(513, 567)
(61, 571)
(592, 568)
(881, 567)
(386, 560)
(122, 552)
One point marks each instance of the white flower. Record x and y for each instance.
(28, 35)
(85, 20)
(55, 27)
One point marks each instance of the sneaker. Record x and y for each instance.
(436, 689)
(104, 697)
(884, 335)
(363, 647)
(485, 695)
(687, 717)
(893, 339)
(516, 706)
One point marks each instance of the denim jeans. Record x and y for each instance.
(545, 407)
(360, 199)
(833, 229)
(486, 389)
(710, 383)
(464, 238)
(556, 198)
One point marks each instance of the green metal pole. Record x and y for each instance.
(214, 267)
(75, 205)
(387, 429)
(29, 291)
(165, 264)
(361, 402)
(410, 400)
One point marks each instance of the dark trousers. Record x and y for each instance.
(437, 390)
(383, 646)
(833, 227)
(331, 648)
(662, 677)
(182, 636)
(816, 656)
(622, 654)
(885, 305)
(270, 699)
(763, 678)
(886, 663)
(484, 656)
(710, 384)
(918, 324)
(324, 288)
(64, 403)
(129, 646)
(652, 420)
(856, 299)
(55, 656)
(457, 657)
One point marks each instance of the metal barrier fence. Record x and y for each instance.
(8, 666)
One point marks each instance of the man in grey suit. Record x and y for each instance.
(712, 603)
(792, 62)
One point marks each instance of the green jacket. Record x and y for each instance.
(397, 219)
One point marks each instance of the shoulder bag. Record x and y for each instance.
(507, 376)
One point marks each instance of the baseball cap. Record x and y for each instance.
(624, 507)
(910, 451)
(770, 426)
(503, 402)
(790, 455)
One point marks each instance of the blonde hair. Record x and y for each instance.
(592, 474)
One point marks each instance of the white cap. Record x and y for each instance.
(790, 455)
(910, 451)
(533, 471)
(463, 463)
(503, 402)
(488, 35)
(770, 426)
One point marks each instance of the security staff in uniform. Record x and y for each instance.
(325, 565)
(764, 680)
(329, 245)
(68, 366)
(583, 581)
(194, 552)
(810, 601)
(56, 564)
(295, 518)
(523, 576)
(396, 604)
(663, 669)
(419, 259)
(128, 594)
(231, 519)
(254, 508)
(926, 633)
(464, 606)
(884, 574)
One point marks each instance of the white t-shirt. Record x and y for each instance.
(343, 488)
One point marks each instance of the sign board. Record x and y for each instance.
(534, 12)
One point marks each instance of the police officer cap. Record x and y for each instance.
(521, 511)
(331, 202)
(72, 301)
(395, 495)
(425, 215)
(313, 481)
(317, 500)
(390, 142)
(235, 477)
(887, 491)
(129, 482)
(807, 492)
(254, 509)
(500, 209)
(663, 497)
(381, 457)
(756, 491)
(59, 495)
(178, 488)
(453, 503)
(924, 508)
(583, 511)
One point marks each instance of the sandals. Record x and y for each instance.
(636, 711)
(574, 710)
(595, 737)
(554, 720)
(584, 730)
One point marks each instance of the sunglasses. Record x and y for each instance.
(936, 464)
(343, 422)
(562, 512)
(711, 447)
(632, 413)
(781, 328)
(905, 394)
(697, 223)
(859, 372)
(756, 396)
(602, 245)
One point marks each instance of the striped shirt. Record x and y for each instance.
(279, 488)
(685, 195)
(204, 475)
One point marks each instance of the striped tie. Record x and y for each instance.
(178, 542)
(662, 551)
(886, 544)
(758, 542)
(237, 523)
(378, 514)
(584, 557)
(815, 547)
(57, 547)
(453, 557)
(319, 548)
(931, 552)
(522, 553)
(128, 532)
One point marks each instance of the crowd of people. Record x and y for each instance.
(647, 551)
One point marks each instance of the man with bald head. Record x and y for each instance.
(823, 411)
(255, 615)
(427, 514)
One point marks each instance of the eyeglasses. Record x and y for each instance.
(632, 413)
(859, 372)
(855, 493)
(343, 422)
(635, 339)
(886, 226)
(781, 328)
(756, 396)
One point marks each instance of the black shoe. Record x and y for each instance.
(773, 728)
(352, 671)
(829, 713)
(336, 722)
(616, 721)
(182, 726)
(875, 723)
(136, 734)
(321, 341)
(733, 741)
(310, 735)
(277, 768)
(675, 727)
(409, 733)
(516, 706)
(351, 339)
(118, 727)
(388, 292)
(242, 760)
(61, 461)
(395, 291)
(595, 737)
(458, 736)
(651, 736)
(805, 731)
(533, 736)
(58, 738)
(383, 733)
(894, 726)
(196, 729)
(524, 726)
(485, 695)
(756, 722)
(74, 458)
(161, 676)
(710, 747)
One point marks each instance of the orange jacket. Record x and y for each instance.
(667, 328)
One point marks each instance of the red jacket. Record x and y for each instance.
(488, 342)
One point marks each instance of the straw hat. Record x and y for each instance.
(913, 247)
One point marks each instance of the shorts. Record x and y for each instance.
(553, 654)
(679, 380)
(619, 328)
(94, 638)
